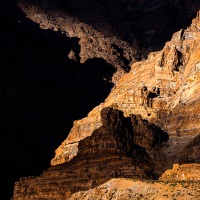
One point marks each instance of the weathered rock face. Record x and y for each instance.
(92, 43)
(114, 150)
(152, 21)
(191, 153)
(151, 96)
(186, 172)
(159, 89)
(121, 32)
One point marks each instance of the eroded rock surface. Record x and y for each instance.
(186, 172)
(114, 150)
(92, 43)
(121, 32)
(123, 189)
(163, 89)
(137, 132)
(191, 153)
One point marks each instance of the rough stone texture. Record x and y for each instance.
(114, 150)
(120, 32)
(123, 189)
(107, 145)
(191, 153)
(92, 43)
(186, 172)
(159, 89)
(152, 21)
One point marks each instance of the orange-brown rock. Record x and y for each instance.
(114, 150)
(123, 189)
(186, 172)
(137, 132)
(159, 89)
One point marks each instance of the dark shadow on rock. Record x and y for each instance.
(42, 92)
(148, 24)
(191, 153)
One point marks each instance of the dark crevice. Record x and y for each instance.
(121, 56)
(179, 61)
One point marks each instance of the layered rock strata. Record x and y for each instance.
(125, 136)
(159, 89)
(121, 147)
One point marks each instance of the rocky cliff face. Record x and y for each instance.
(92, 43)
(121, 32)
(121, 147)
(191, 152)
(137, 132)
(158, 89)
(138, 127)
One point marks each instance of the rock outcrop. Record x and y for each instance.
(186, 172)
(121, 32)
(123, 189)
(92, 42)
(116, 149)
(158, 89)
(137, 132)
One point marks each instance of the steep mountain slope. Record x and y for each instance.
(144, 126)
(158, 89)
(111, 151)
(120, 32)
(56, 70)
